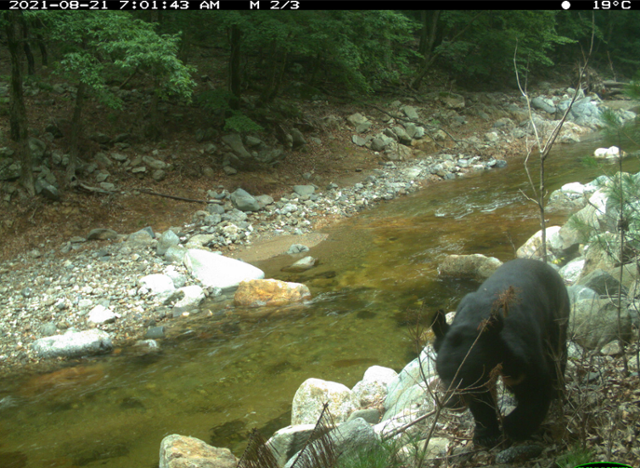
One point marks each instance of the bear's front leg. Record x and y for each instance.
(483, 408)
(533, 404)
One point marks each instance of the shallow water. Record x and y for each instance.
(226, 371)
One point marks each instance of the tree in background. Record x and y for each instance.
(101, 45)
(476, 45)
(13, 22)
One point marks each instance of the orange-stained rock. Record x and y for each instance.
(177, 451)
(63, 379)
(270, 292)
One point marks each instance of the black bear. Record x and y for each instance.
(514, 324)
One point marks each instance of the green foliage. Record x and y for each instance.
(240, 123)
(377, 456)
(633, 89)
(215, 100)
(486, 48)
(219, 101)
(96, 44)
(620, 38)
(577, 456)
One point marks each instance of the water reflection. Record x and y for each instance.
(226, 371)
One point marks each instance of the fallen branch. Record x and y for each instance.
(173, 197)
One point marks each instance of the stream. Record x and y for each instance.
(225, 372)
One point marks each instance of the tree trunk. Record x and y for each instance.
(235, 77)
(17, 110)
(422, 47)
(429, 41)
(41, 45)
(31, 63)
(43, 51)
(278, 65)
(76, 133)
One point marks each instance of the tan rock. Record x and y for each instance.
(468, 266)
(177, 451)
(270, 292)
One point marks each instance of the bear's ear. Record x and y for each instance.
(439, 325)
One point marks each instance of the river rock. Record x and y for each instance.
(73, 344)
(408, 390)
(38, 149)
(297, 248)
(453, 101)
(349, 438)
(612, 152)
(543, 104)
(468, 266)
(178, 451)
(288, 441)
(156, 285)
(217, 271)
(141, 238)
(357, 119)
(167, 239)
(304, 190)
(572, 270)
(193, 296)
(234, 141)
(580, 293)
(46, 189)
(303, 264)
(380, 142)
(570, 197)
(602, 283)
(532, 248)
(372, 389)
(584, 112)
(154, 163)
(102, 234)
(298, 138)
(175, 254)
(594, 323)
(270, 292)
(313, 394)
(243, 201)
(101, 314)
(264, 200)
(410, 112)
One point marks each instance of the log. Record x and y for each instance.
(173, 197)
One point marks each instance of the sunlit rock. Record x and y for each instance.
(613, 152)
(73, 344)
(313, 394)
(156, 285)
(177, 451)
(532, 248)
(217, 271)
(303, 264)
(270, 292)
(372, 389)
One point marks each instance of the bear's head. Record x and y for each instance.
(467, 352)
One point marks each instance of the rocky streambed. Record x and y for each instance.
(105, 280)
(124, 289)
(102, 280)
